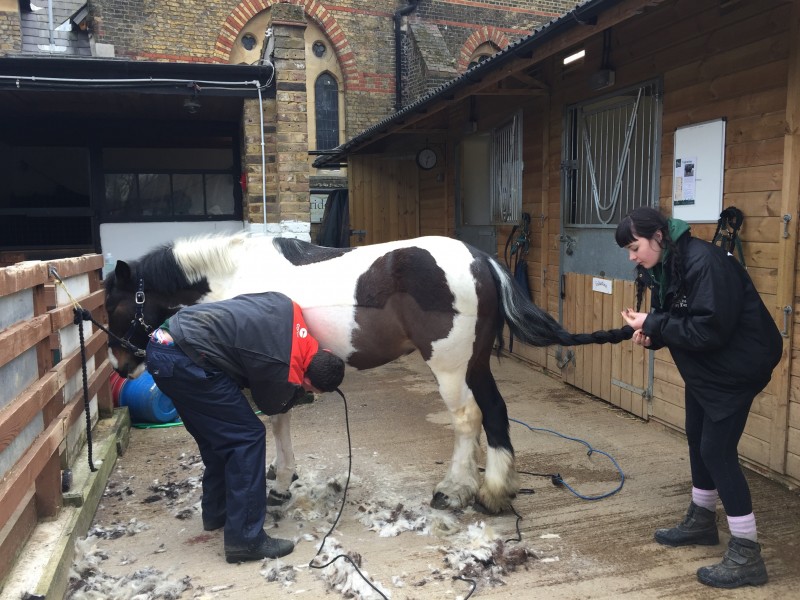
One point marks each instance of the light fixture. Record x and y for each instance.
(575, 56)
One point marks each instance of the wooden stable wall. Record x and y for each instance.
(732, 65)
(739, 63)
(728, 59)
(384, 199)
(42, 420)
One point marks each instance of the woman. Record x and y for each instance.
(725, 344)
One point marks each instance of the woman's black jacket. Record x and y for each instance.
(722, 338)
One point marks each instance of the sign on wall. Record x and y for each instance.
(698, 171)
(318, 207)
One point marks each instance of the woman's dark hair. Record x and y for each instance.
(325, 371)
(641, 222)
(645, 222)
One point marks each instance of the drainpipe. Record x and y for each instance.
(398, 72)
(50, 24)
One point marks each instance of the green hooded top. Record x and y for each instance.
(658, 273)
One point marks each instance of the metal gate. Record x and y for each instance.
(610, 165)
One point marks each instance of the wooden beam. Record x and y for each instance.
(22, 276)
(64, 315)
(21, 336)
(544, 218)
(530, 81)
(499, 91)
(18, 413)
(77, 265)
(787, 247)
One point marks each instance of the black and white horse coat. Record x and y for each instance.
(369, 305)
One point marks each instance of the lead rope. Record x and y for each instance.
(78, 320)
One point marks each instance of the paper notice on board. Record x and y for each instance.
(685, 185)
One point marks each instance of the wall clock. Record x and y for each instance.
(426, 158)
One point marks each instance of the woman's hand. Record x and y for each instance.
(640, 338)
(634, 319)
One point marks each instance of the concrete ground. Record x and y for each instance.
(148, 536)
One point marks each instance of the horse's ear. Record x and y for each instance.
(122, 272)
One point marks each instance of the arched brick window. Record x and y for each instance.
(481, 53)
(326, 108)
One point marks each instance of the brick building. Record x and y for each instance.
(320, 74)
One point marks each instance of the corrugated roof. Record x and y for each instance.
(582, 13)
(67, 41)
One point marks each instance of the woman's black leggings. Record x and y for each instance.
(714, 457)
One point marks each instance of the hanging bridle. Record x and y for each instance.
(138, 319)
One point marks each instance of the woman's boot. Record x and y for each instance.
(741, 565)
(699, 527)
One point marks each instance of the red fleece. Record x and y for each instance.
(304, 347)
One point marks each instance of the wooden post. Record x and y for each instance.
(787, 244)
(544, 241)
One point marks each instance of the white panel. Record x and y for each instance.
(698, 168)
(129, 241)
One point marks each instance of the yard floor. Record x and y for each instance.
(148, 523)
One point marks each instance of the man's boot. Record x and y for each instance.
(741, 565)
(699, 527)
(268, 547)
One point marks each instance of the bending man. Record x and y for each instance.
(201, 357)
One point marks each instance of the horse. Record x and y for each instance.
(369, 305)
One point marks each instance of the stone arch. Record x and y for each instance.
(246, 10)
(486, 34)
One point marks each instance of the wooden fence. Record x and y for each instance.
(43, 427)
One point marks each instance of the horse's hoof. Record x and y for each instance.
(440, 501)
(277, 498)
(481, 505)
(271, 475)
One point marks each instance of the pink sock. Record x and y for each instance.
(743, 527)
(705, 498)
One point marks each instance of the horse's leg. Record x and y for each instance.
(500, 482)
(284, 463)
(459, 486)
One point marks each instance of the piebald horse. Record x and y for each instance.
(369, 305)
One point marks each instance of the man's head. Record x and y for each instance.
(325, 371)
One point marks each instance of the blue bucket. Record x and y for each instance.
(146, 403)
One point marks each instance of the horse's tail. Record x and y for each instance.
(537, 327)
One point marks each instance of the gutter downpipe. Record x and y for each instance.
(398, 71)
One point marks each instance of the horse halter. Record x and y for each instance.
(138, 319)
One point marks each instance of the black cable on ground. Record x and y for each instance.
(556, 478)
(341, 509)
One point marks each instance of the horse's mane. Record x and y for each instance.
(300, 253)
(202, 256)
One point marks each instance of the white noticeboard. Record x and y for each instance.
(698, 169)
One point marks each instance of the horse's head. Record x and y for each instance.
(141, 294)
(133, 312)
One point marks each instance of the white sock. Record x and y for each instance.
(705, 498)
(744, 527)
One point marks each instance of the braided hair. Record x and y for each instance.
(644, 222)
